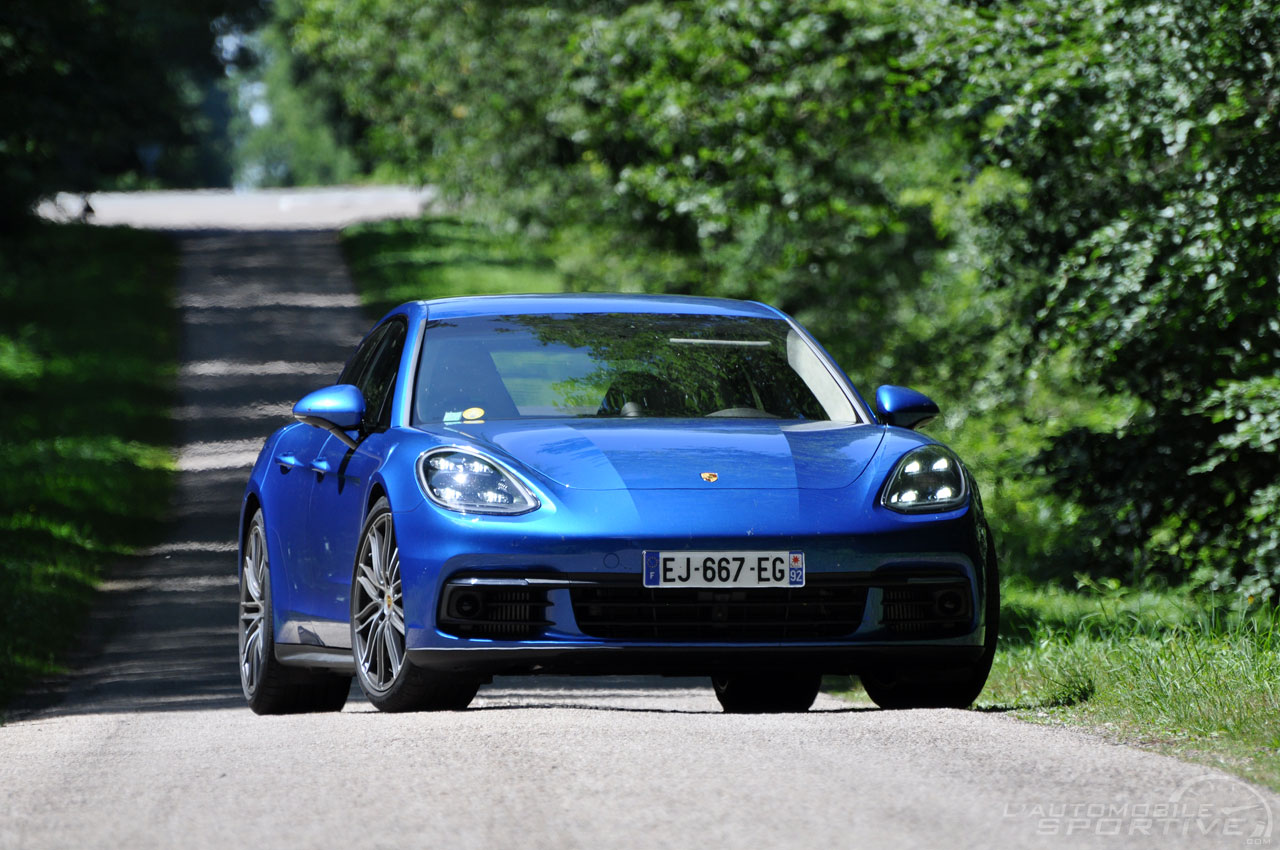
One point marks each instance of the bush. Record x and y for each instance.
(1059, 218)
(88, 344)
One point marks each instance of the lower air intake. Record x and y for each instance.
(818, 610)
(500, 613)
(927, 610)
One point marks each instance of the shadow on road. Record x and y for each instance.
(267, 316)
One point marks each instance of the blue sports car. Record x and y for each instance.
(608, 484)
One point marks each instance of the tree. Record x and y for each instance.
(92, 91)
(1063, 215)
(304, 138)
(1146, 140)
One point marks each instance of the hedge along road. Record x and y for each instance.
(148, 743)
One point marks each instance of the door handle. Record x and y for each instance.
(320, 466)
(287, 462)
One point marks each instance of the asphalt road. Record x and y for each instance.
(149, 744)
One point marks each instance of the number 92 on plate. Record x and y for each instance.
(723, 569)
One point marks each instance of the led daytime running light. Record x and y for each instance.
(928, 479)
(463, 481)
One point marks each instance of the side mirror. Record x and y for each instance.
(904, 407)
(336, 409)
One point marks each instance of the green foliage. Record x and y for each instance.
(1059, 218)
(408, 260)
(1195, 675)
(88, 343)
(1251, 411)
(303, 139)
(94, 94)
(450, 92)
(1146, 236)
(662, 147)
(747, 136)
(728, 149)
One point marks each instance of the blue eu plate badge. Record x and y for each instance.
(651, 569)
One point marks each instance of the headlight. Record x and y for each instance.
(929, 478)
(462, 481)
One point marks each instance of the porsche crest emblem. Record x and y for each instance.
(710, 477)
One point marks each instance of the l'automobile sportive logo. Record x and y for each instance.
(1210, 806)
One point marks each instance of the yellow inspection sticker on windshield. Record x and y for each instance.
(473, 413)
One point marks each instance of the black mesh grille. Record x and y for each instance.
(915, 604)
(639, 613)
(510, 613)
(927, 610)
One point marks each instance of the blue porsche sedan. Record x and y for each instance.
(603, 484)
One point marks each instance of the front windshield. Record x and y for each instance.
(622, 365)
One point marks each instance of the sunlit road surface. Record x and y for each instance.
(149, 745)
(309, 209)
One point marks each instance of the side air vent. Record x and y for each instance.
(927, 610)
(499, 611)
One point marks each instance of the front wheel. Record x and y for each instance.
(378, 630)
(766, 693)
(270, 687)
(947, 689)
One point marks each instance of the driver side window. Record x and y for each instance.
(373, 371)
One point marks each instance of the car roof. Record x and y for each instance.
(591, 302)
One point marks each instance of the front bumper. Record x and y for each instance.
(564, 598)
(502, 622)
(901, 602)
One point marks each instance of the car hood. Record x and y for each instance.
(664, 454)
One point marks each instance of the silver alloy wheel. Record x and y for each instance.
(378, 622)
(253, 582)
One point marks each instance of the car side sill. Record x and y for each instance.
(316, 657)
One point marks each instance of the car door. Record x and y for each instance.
(340, 493)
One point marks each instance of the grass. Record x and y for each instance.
(88, 351)
(407, 260)
(1183, 675)
(1168, 671)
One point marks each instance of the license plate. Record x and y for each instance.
(723, 569)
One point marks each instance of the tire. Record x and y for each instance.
(947, 689)
(386, 676)
(268, 686)
(766, 693)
